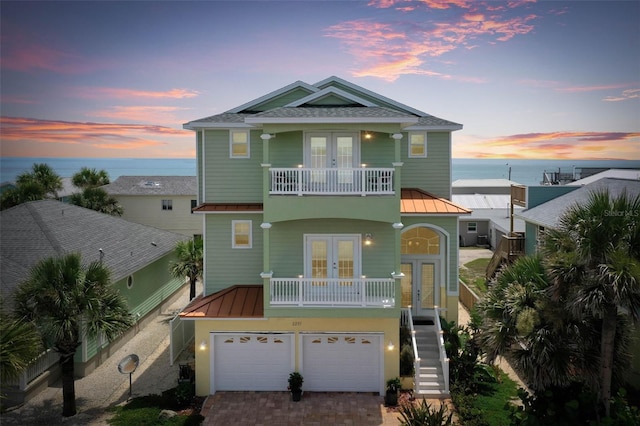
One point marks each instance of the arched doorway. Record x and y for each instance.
(422, 251)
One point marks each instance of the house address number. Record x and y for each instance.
(296, 323)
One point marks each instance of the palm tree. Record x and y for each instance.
(97, 199)
(594, 263)
(189, 263)
(20, 344)
(43, 175)
(90, 178)
(63, 298)
(42, 182)
(533, 332)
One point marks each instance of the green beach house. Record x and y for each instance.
(327, 224)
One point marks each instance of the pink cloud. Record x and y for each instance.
(140, 114)
(624, 96)
(21, 52)
(577, 89)
(559, 145)
(390, 49)
(121, 93)
(98, 136)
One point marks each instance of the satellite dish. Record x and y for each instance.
(128, 365)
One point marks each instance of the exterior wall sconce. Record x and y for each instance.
(368, 239)
(368, 136)
(391, 346)
(203, 345)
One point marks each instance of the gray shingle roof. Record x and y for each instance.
(226, 117)
(430, 120)
(333, 112)
(153, 185)
(547, 214)
(33, 231)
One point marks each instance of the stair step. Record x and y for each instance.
(434, 393)
(430, 368)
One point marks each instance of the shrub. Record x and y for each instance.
(406, 361)
(424, 415)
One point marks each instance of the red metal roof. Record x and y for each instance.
(417, 201)
(239, 301)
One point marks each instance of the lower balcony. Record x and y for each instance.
(318, 292)
(331, 181)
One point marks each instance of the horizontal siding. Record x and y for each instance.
(226, 266)
(235, 180)
(151, 286)
(379, 151)
(432, 174)
(147, 210)
(199, 165)
(286, 149)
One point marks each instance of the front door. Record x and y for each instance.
(332, 261)
(420, 286)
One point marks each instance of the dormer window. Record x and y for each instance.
(239, 144)
(418, 144)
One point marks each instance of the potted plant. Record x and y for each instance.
(391, 397)
(295, 385)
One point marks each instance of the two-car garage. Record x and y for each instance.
(328, 361)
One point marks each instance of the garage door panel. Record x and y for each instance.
(252, 362)
(342, 363)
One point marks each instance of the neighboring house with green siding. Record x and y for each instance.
(327, 221)
(138, 257)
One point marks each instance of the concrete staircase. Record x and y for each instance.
(430, 380)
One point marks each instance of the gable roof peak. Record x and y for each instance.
(275, 93)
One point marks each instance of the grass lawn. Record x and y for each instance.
(473, 274)
(487, 406)
(492, 402)
(145, 410)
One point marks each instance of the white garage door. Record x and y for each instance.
(342, 362)
(256, 362)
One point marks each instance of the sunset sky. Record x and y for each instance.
(527, 79)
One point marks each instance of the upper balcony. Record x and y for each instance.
(331, 181)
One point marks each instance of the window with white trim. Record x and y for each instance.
(472, 227)
(239, 144)
(418, 144)
(167, 204)
(241, 234)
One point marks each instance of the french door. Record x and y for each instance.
(333, 150)
(332, 260)
(420, 286)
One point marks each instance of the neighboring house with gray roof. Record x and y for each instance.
(164, 202)
(138, 257)
(538, 217)
(545, 215)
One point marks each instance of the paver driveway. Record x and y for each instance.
(315, 408)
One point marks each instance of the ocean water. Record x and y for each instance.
(526, 172)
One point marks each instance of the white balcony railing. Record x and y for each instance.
(333, 181)
(369, 292)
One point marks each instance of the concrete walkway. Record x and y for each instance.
(106, 386)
